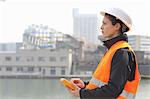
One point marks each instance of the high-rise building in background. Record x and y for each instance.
(139, 43)
(85, 26)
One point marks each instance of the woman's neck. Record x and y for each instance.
(113, 36)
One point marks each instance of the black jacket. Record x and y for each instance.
(122, 69)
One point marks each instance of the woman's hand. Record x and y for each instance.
(78, 82)
(75, 92)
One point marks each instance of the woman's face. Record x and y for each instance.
(108, 30)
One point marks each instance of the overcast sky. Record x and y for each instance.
(16, 15)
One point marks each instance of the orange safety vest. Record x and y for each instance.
(102, 73)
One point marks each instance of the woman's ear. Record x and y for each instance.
(117, 26)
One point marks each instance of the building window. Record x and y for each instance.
(18, 58)
(43, 71)
(39, 68)
(53, 71)
(52, 59)
(63, 71)
(8, 68)
(42, 59)
(30, 69)
(62, 59)
(19, 68)
(8, 58)
(30, 59)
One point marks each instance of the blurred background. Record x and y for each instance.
(42, 41)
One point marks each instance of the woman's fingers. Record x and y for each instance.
(78, 82)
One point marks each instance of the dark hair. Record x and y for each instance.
(114, 21)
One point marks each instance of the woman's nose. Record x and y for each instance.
(101, 27)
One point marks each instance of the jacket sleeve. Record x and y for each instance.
(119, 73)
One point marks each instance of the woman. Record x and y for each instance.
(117, 75)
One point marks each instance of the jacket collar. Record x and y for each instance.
(110, 42)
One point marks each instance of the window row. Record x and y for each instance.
(32, 69)
(31, 59)
(29, 69)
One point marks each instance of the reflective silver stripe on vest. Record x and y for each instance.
(97, 82)
(127, 95)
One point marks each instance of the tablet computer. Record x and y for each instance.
(68, 84)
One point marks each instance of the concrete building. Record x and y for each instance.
(139, 43)
(91, 60)
(36, 63)
(85, 26)
(10, 46)
(41, 45)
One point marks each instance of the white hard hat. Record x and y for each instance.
(120, 14)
